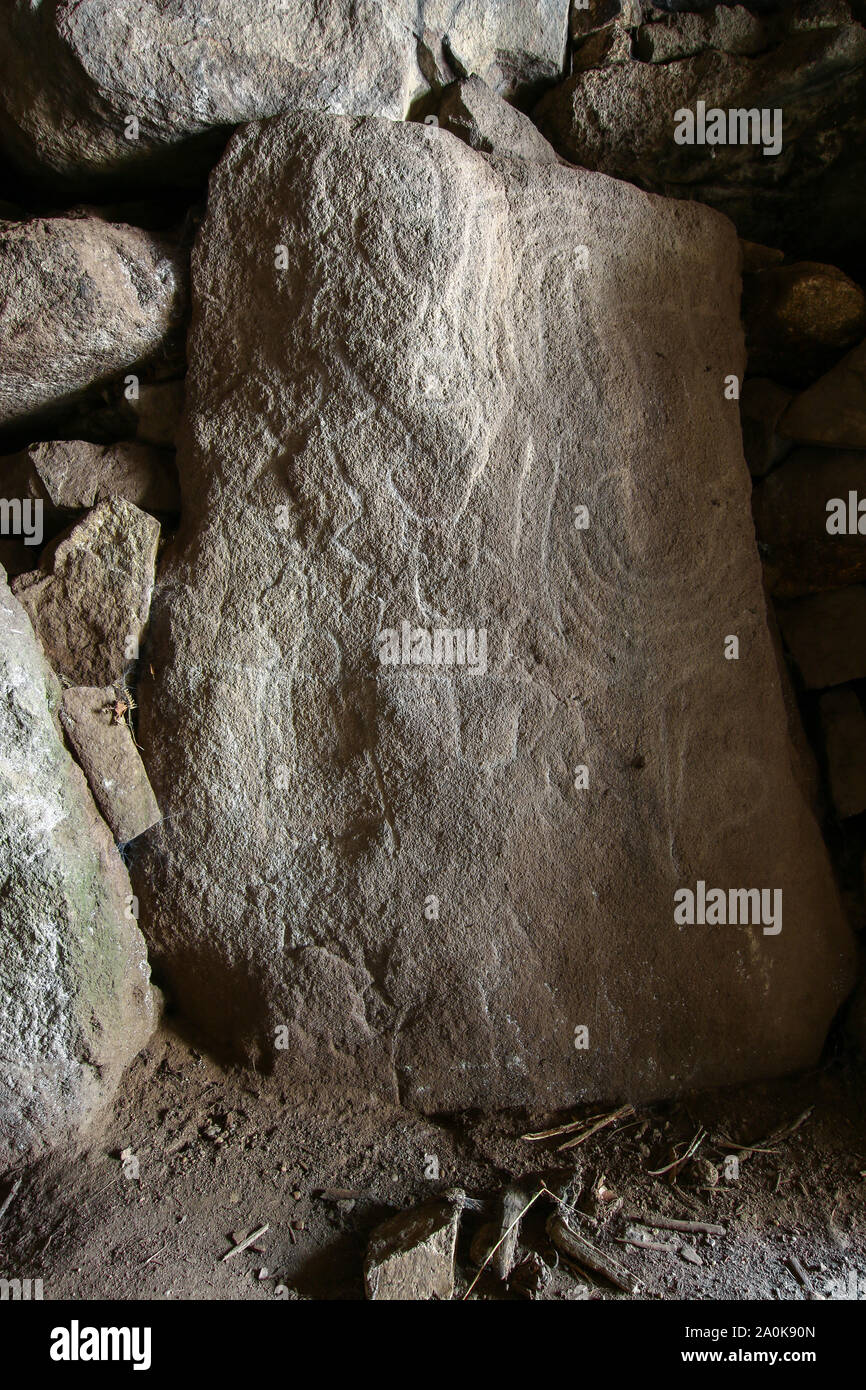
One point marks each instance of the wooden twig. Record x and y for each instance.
(561, 1129)
(767, 1146)
(577, 1248)
(518, 1218)
(593, 1129)
(678, 1162)
(799, 1273)
(250, 1240)
(646, 1244)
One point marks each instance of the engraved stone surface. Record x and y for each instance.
(387, 447)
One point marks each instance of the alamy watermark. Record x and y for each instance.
(21, 517)
(737, 126)
(715, 907)
(20, 1290)
(438, 646)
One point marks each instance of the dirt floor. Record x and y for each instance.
(195, 1157)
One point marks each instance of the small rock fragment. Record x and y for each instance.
(478, 117)
(81, 298)
(74, 475)
(703, 1172)
(411, 1257)
(532, 1277)
(799, 319)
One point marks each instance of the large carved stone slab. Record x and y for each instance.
(394, 871)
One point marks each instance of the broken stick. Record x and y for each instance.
(577, 1248)
(236, 1250)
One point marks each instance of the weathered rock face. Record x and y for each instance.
(619, 117)
(188, 71)
(90, 598)
(411, 1256)
(399, 863)
(79, 299)
(74, 980)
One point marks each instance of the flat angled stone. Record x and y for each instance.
(95, 722)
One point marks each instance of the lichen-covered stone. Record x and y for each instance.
(75, 998)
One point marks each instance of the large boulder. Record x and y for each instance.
(808, 195)
(74, 980)
(388, 652)
(187, 71)
(80, 299)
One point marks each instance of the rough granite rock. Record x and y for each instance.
(844, 725)
(74, 980)
(725, 29)
(94, 721)
(810, 197)
(72, 475)
(79, 299)
(89, 599)
(397, 865)
(472, 112)
(762, 403)
(757, 257)
(833, 411)
(826, 635)
(790, 508)
(189, 71)
(411, 1256)
(800, 319)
